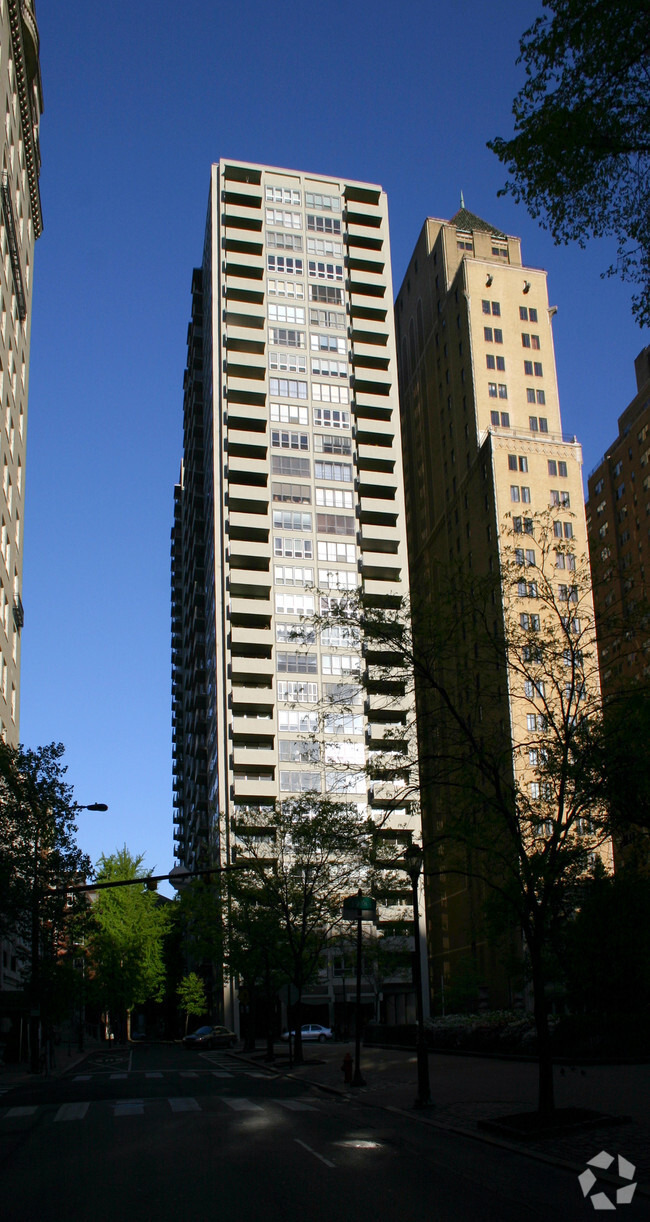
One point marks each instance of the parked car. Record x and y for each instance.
(210, 1037)
(311, 1031)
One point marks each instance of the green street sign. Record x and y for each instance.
(359, 905)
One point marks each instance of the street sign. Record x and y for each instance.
(363, 906)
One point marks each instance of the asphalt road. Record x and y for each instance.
(160, 1133)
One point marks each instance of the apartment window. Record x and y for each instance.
(490, 361)
(342, 723)
(328, 343)
(282, 195)
(345, 782)
(287, 337)
(528, 368)
(289, 441)
(340, 664)
(326, 203)
(465, 244)
(530, 623)
(334, 524)
(296, 663)
(338, 579)
(299, 494)
(501, 364)
(541, 399)
(286, 314)
(284, 265)
(327, 318)
(568, 593)
(324, 392)
(525, 340)
(292, 548)
(494, 418)
(332, 418)
(287, 362)
(534, 790)
(324, 224)
(325, 271)
(286, 464)
(289, 519)
(297, 693)
(525, 495)
(325, 293)
(286, 288)
(498, 335)
(336, 553)
(338, 471)
(292, 575)
(530, 395)
(503, 391)
(512, 462)
(293, 721)
(298, 751)
(338, 637)
(562, 470)
(533, 689)
(286, 220)
(338, 445)
(514, 493)
(501, 252)
(552, 466)
(517, 525)
(486, 306)
(324, 246)
(288, 413)
(535, 722)
(517, 463)
(283, 241)
(543, 424)
(300, 782)
(288, 388)
(492, 391)
(290, 603)
(325, 368)
(488, 334)
(533, 424)
(334, 498)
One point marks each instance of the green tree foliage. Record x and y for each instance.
(580, 155)
(38, 854)
(296, 863)
(256, 950)
(126, 939)
(191, 996)
(608, 947)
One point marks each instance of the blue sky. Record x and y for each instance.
(139, 100)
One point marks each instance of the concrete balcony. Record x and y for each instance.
(254, 792)
(252, 757)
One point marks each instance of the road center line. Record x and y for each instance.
(318, 1156)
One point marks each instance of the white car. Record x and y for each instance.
(310, 1031)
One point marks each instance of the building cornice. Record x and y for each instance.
(31, 156)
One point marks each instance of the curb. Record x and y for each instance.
(457, 1130)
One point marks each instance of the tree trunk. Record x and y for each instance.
(546, 1095)
(128, 1026)
(297, 1047)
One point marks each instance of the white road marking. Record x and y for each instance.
(241, 1105)
(153, 1075)
(251, 1074)
(189, 1075)
(184, 1105)
(118, 1077)
(221, 1073)
(82, 1077)
(295, 1105)
(318, 1156)
(72, 1111)
(130, 1107)
(15, 1112)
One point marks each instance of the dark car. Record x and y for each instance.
(210, 1037)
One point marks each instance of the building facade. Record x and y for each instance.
(484, 457)
(290, 495)
(618, 520)
(20, 225)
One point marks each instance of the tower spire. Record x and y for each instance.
(462, 198)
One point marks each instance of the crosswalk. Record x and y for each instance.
(176, 1104)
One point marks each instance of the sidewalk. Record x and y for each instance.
(465, 1090)
(65, 1058)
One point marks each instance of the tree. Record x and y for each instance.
(38, 857)
(191, 996)
(579, 158)
(256, 951)
(506, 799)
(299, 859)
(126, 939)
(607, 947)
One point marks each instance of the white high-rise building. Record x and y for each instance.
(291, 491)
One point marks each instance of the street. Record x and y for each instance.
(159, 1132)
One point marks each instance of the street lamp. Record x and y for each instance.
(94, 806)
(411, 860)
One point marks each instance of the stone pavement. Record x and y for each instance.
(466, 1089)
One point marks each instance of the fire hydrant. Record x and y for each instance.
(347, 1069)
